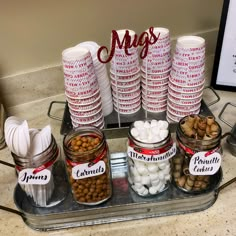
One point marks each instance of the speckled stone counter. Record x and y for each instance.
(219, 219)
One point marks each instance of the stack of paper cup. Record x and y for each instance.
(155, 72)
(81, 88)
(102, 77)
(186, 82)
(125, 78)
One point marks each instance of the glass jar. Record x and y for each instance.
(149, 164)
(38, 176)
(199, 153)
(88, 165)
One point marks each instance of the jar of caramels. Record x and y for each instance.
(88, 165)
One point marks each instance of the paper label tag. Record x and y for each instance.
(83, 171)
(202, 164)
(153, 157)
(26, 176)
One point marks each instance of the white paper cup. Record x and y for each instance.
(127, 106)
(155, 94)
(191, 42)
(98, 123)
(154, 109)
(184, 101)
(125, 78)
(125, 83)
(127, 101)
(129, 89)
(84, 101)
(148, 99)
(180, 95)
(130, 95)
(179, 113)
(154, 88)
(155, 76)
(154, 104)
(179, 107)
(88, 113)
(172, 117)
(84, 108)
(189, 89)
(155, 82)
(187, 82)
(87, 120)
(127, 111)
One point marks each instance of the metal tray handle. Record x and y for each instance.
(217, 96)
(50, 108)
(222, 111)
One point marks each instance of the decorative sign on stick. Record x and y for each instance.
(145, 39)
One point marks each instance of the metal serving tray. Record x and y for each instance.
(124, 205)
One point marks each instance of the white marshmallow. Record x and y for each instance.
(160, 186)
(167, 177)
(152, 168)
(153, 190)
(145, 180)
(155, 131)
(163, 134)
(138, 123)
(161, 175)
(141, 190)
(155, 182)
(134, 132)
(142, 170)
(137, 179)
(154, 123)
(154, 176)
(146, 125)
(145, 192)
(163, 125)
(138, 185)
(162, 165)
(134, 171)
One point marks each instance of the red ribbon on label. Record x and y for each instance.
(93, 162)
(192, 152)
(42, 167)
(155, 151)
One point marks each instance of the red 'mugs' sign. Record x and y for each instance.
(144, 40)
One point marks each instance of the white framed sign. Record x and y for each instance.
(224, 69)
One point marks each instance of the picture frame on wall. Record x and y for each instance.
(224, 67)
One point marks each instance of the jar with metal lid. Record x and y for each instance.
(199, 153)
(38, 176)
(88, 165)
(149, 159)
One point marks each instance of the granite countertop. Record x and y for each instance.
(219, 219)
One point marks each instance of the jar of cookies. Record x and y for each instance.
(88, 165)
(149, 152)
(199, 153)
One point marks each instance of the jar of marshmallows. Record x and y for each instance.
(149, 153)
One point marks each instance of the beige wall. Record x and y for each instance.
(33, 33)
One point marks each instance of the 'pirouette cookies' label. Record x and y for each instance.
(203, 164)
